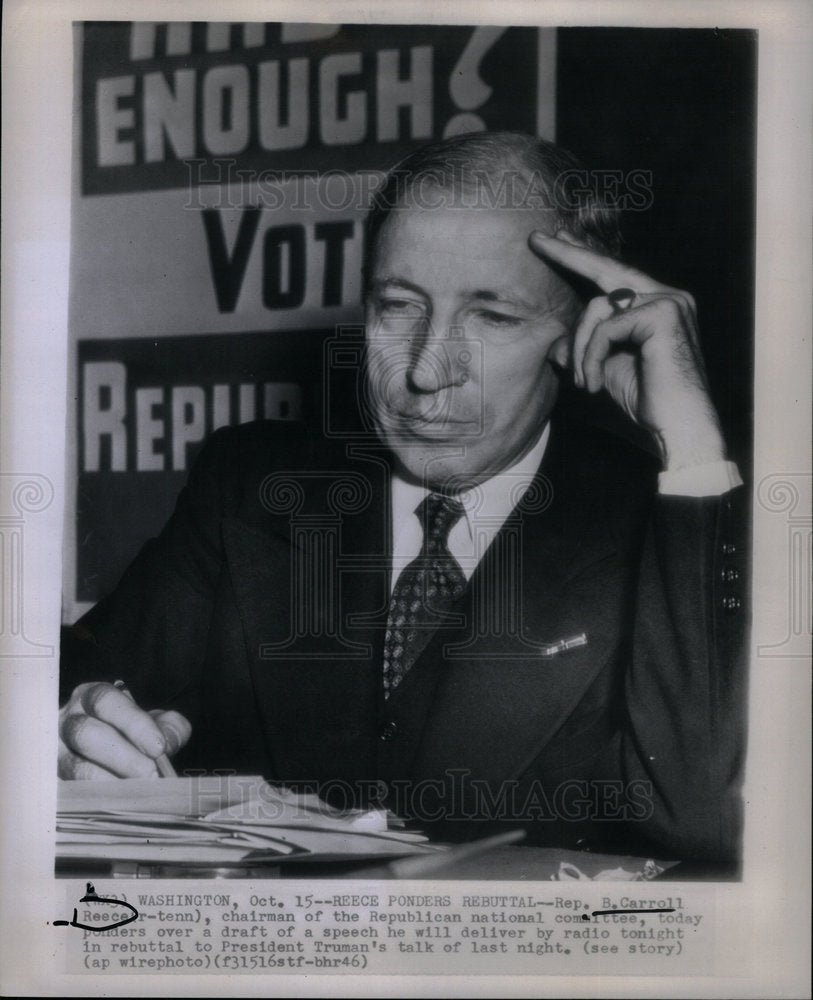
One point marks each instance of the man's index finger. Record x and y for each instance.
(108, 704)
(603, 271)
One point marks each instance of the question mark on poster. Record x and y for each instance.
(467, 89)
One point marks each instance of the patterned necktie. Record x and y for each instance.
(424, 591)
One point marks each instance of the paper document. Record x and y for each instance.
(212, 819)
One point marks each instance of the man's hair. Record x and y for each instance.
(492, 170)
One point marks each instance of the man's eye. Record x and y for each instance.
(400, 307)
(499, 319)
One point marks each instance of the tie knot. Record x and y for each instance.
(438, 514)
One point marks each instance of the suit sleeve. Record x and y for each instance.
(151, 631)
(685, 690)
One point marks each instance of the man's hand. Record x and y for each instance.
(647, 357)
(104, 734)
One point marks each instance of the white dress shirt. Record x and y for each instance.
(488, 505)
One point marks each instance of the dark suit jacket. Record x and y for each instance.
(259, 614)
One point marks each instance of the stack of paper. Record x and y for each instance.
(212, 820)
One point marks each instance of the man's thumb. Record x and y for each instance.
(560, 352)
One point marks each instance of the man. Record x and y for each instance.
(479, 614)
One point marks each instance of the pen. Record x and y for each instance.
(165, 769)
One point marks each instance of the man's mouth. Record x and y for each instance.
(436, 430)
(428, 421)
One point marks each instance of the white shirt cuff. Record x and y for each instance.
(709, 480)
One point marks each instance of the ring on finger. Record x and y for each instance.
(621, 299)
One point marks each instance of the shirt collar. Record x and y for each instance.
(491, 500)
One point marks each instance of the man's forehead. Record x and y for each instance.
(478, 241)
(459, 234)
(447, 219)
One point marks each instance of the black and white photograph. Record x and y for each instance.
(462, 536)
(405, 602)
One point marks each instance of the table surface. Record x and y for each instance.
(509, 864)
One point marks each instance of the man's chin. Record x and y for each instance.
(444, 466)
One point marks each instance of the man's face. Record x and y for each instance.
(460, 318)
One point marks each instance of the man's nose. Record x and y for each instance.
(439, 359)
